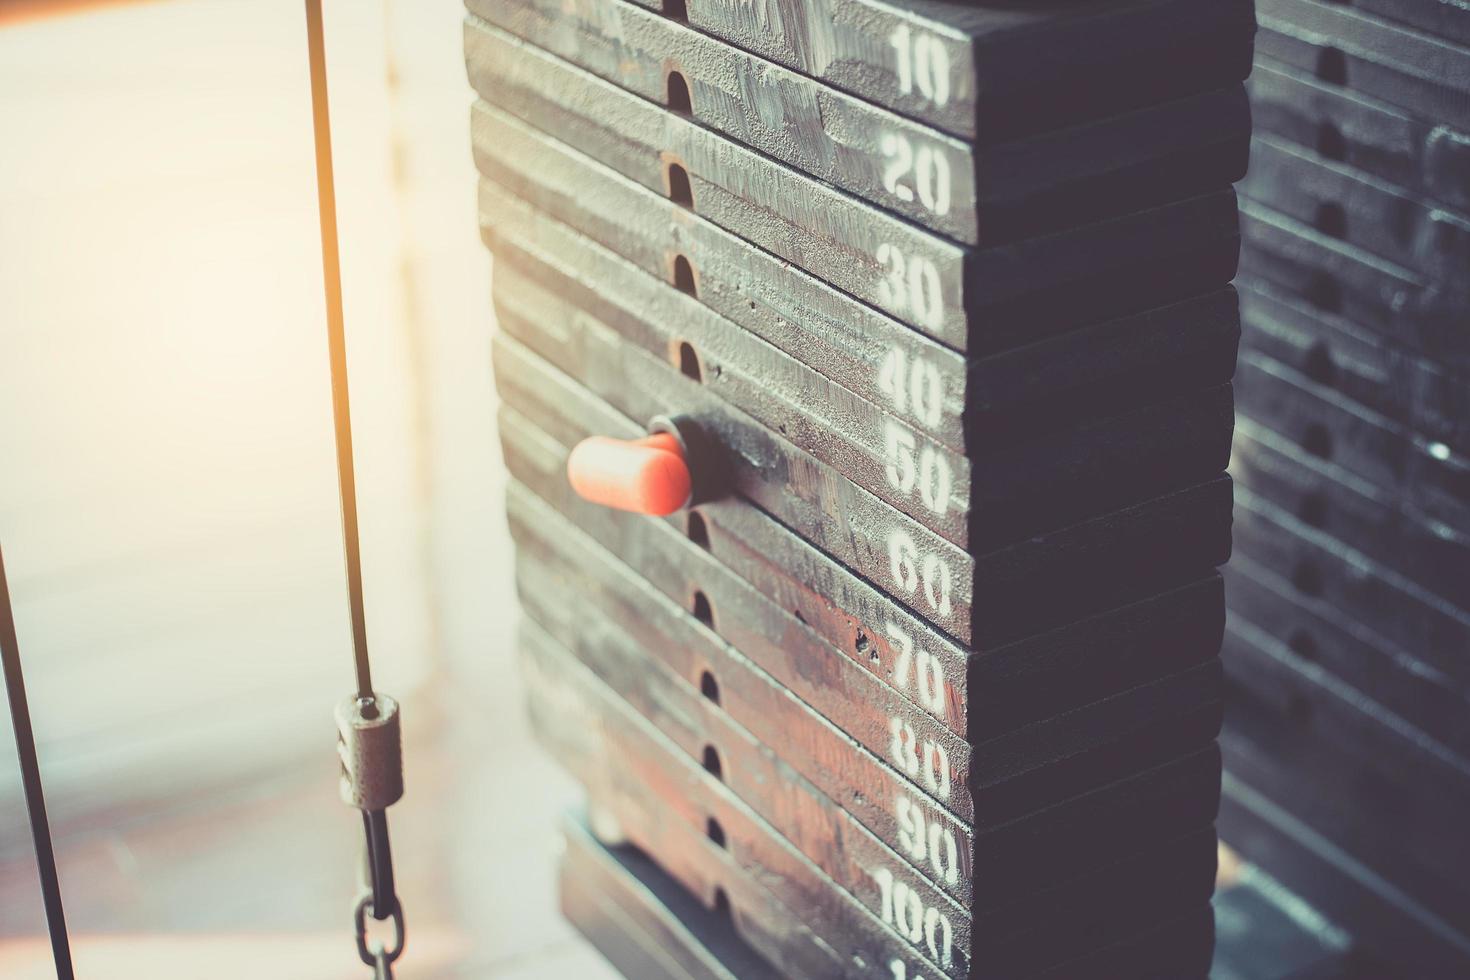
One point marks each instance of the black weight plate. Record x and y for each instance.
(1024, 589)
(1337, 278)
(1367, 737)
(1314, 630)
(1340, 203)
(1422, 74)
(756, 688)
(822, 824)
(832, 615)
(1108, 366)
(658, 791)
(1423, 157)
(624, 813)
(1110, 268)
(1181, 149)
(1426, 475)
(1377, 523)
(1392, 829)
(645, 924)
(1047, 858)
(563, 300)
(1179, 949)
(1382, 918)
(996, 71)
(670, 805)
(1366, 368)
(1429, 626)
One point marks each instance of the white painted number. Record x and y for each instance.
(928, 166)
(915, 389)
(898, 444)
(911, 286)
(901, 971)
(931, 472)
(904, 910)
(903, 747)
(904, 564)
(923, 62)
(927, 840)
(903, 750)
(937, 583)
(924, 670)
(900, 155)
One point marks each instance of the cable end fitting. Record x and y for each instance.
(371, 750)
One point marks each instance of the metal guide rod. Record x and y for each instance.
(369, 736)
(30, 776)
(337, 344)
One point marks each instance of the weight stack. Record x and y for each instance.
(1347, 741)
(889, 348)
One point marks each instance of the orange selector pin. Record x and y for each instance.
(676, 466)
(647, 476)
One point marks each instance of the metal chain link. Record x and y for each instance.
(380, 957)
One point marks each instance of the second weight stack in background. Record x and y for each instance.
(1347, 741)
(880, 613)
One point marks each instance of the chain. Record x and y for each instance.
(381, 958)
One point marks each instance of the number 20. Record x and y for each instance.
(929, 167)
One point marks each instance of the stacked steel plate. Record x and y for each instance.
(1348, 649)
(866, 376)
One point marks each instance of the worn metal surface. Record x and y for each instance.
(642, 921)
(1368, 56)
(934, 690)
(1101, 368)
(1110, 267)
(1338, 278)
(1016, 591)
(1433, 628)
(1366, 368)
(664, 797)
(1447, 19)
(626, 906)
(1353, 653)
(567, 294)
(978, 695)
(1160, 153)
(991, 72)
(1341, 203)
(1374, 746)
(617, 753)
(1347, 743)
(1386, 529)
(1420, 155)
(1325, 424)
(946, 770)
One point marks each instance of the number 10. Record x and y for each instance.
(922, 61)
